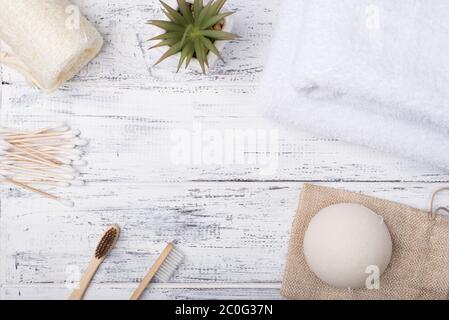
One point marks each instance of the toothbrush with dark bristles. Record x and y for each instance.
(104, 247)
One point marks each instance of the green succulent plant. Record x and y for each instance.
(192, 30)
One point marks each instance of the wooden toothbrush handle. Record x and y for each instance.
(150, 275)
(78, 293)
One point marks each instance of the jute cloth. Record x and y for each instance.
(419, 268)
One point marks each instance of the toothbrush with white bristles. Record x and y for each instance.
(46, 158)
(162, 270)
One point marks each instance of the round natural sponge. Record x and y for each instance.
(345, 244)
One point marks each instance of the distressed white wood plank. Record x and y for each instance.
(125, 56)
(131, 133)
(206, 220)
(155, 292)
(230, 232)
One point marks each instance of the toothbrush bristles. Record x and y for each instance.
(170, 265)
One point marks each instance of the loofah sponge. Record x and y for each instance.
(49, 41)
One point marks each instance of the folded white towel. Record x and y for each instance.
(45, 41)
(372, 72)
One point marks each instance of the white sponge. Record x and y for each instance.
(49, 41)
(347, 246)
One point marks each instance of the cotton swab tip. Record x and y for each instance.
(79, 163)
(65, 161)
(62, 184)
(73, 157)
(5, 173)
(68, 176)
(67, 168)
(81, 142)
(5, 145)
(66, 146)
(76, 132)
(78, 183)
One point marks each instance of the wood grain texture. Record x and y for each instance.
(231, 221)
(230, 233)
(126, 58)
(157, 292)
(134, 127)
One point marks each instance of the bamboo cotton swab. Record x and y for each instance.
(46, 157)
(66, 202)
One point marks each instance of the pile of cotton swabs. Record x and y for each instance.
(41, 159)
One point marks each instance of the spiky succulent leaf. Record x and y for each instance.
(190, 53)
(218, 5)
(214, 19)
(200, 54)
(167, 25)
(192, 31)
(184, 8)
(203, 14)
(211, 47)
(166, 42)
(174, 15)
(185, 35)
(170, 52)
(187, 51)
(197, 6)
(218, 35)
(168, 35)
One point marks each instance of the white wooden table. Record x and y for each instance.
(232, 222)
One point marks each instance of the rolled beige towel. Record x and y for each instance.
(48, 40)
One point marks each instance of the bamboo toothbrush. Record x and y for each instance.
(104, 246)
(162, 270)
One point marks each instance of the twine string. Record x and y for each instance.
(433, 212)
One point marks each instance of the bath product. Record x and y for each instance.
(369, 72)
(48, 41)
(418, 267)
(345, 243)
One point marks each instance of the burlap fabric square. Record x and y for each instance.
(419, 268)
